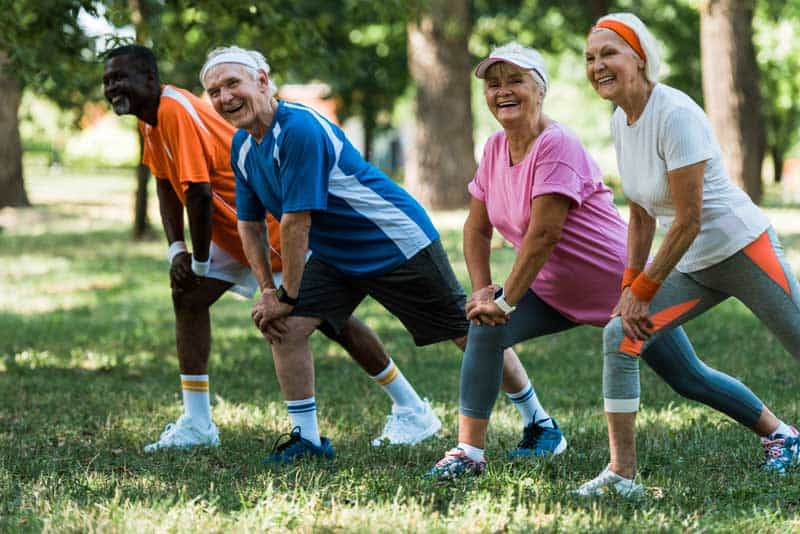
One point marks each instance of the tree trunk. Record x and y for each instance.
(777, 164)
(12, 186)
(731, 89)
(141, 224)
(441, 161)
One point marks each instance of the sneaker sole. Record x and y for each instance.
(147, 449)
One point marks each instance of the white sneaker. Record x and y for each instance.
(407, 426)
(183, 434)
(608, 481)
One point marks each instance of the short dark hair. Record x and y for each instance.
(142, 56)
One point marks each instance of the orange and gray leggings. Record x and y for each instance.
(758, 275)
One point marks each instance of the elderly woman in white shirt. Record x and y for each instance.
(718, 243)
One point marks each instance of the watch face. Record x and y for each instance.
(498, 293)
(280, 294)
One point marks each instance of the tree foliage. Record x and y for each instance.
(779, 62)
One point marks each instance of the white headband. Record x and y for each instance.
(241, 58)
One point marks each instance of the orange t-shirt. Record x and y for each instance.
(192, 143)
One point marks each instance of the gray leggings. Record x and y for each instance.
(758, 275)
(671, 357)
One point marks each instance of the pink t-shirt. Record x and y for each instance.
(581, 278)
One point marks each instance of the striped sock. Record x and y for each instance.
(196, 401)
(304, 414)
(395, 384)
(528, 405)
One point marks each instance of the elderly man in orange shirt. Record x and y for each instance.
(187, 147)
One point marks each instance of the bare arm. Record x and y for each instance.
(686, 186)
(255, 244)
(294, 247)
(548, 213)
(477, 245)
(171, 210)
(641, 229)
(199, 208)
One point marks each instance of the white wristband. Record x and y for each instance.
(200, 268)
(175, 248)
(504, 306)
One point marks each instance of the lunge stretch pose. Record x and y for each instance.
(718, 243)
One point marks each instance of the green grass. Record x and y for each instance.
(88, 375)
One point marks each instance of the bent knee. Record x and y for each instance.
(613, 334)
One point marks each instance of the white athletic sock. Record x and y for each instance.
(304, 414)
(473, 453)
(395, 385)
(528, 405)
(783, 430)
(196, 401)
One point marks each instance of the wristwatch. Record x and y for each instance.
(500, 300)
(284, 297)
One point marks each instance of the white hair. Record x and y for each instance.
(252, 60)
(649, 44)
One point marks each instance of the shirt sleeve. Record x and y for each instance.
(248, 206)
(556, 173)
(183, 138)
(477, 187)
(149, 157)
(306, 160)
(684, 139)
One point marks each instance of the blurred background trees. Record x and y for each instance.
(407, 66)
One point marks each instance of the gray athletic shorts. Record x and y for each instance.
(422, 292)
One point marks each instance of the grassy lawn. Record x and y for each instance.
(88, 375)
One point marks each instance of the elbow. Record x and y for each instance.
(198, 192)
(688, 226)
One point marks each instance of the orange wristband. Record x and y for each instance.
(629, 276)
(644, 287)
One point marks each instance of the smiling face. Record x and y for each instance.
(511, 94)
(612, 67)
(238, 97)
(128, 87)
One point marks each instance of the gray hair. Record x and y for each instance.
(253, 62)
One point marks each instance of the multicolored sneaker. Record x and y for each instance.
(782, 452)
(183, 434)
(297, 448)
(456, 464)
(406, 426)
(538, 440)
(610, 482)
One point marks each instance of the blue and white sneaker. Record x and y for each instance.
(782, 452)
(538, 440)
(456, 464)
(297, 448)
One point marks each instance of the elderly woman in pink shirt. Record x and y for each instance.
(540, 189)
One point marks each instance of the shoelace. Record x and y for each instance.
(773, 448)
(397, 421)
(530, 435)
(294, 437)
(451, 455)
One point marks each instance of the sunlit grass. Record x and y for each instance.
(88, 375)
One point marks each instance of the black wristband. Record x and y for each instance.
(284, 297)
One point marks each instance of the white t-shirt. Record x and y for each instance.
(673, 132)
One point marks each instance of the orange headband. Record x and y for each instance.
(627, 34)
